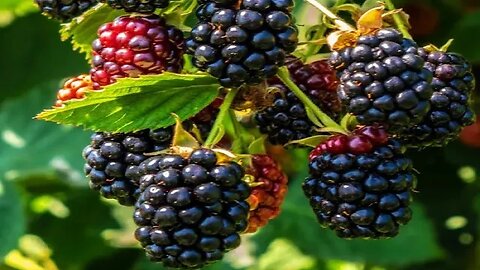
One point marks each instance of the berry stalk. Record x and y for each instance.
(224, 108)
(398, 20)
(284, 75)
(342, 25)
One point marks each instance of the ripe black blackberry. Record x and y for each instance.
(360, 185)
(140, 6)
(191, 210)
(245, 43)
(383, 80)
(112, 161)
(453, 83)
(64, 10)
(286, 119)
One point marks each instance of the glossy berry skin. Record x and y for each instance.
(360, 185)
(286, 119)
(134, 46)
(244, 43)
(140, 6)
(191, 210)
(383, 80)
(64, 10)
(75, 88)
(268, 193)
(112, 161)
(453, 84)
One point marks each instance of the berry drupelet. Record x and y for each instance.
(286, 119)
(133, 46)
(360, 185)
(453, 84)
(191, 210)
(140, 6)
(112, 161)
(64, 10)
(268, 193)
(75, 88)
(383, 80)
(244, 43)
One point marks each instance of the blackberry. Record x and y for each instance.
(383, 80)
(243, 43)
(136, 45)
(64, 10)
(191, 210)
(452, 83)
(140, 6)
(75, 88)
(268, 195)
(360, 185)
(286, 119)
(112, 161)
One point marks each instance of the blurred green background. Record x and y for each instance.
(49, 219)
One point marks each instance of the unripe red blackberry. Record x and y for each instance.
(75, 88)
(191, 210)
(453, 84)
(140, 6)
(112, 161)
(268, 193)
(360, 185)
(286, 119)
(383, 80)
(242, 43)
(136, 45)
(64, 10)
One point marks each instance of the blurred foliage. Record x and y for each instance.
(50, 220)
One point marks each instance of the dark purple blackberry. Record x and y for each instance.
(453, 84)
(191, 210)
(65, 10)
(360, 185)
(140, 6)
(242, 44)
(286, 119)
(112, 161)
(383, 80)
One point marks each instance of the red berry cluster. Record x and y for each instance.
(266, 198)
(133, 46)
(363, 140)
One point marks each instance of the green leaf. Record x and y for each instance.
(29, 146)
(274, 258)
(134, 104)
(416, 242)
(83, 30)
(12, 223)
(257, 147)
(312, 141)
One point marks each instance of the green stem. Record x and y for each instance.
(227, 102)
(284, 76)
(398, 20)
(238, 132)
(342, 25)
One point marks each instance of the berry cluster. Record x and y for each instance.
(65, 10)
(286, 119)
(140, 6)
(268, 193)
(133, 46)
(360, 185)
(112, 161)
(191, 210)
(243, 42)
(450, 111)
(383, 80)
(75, 88)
